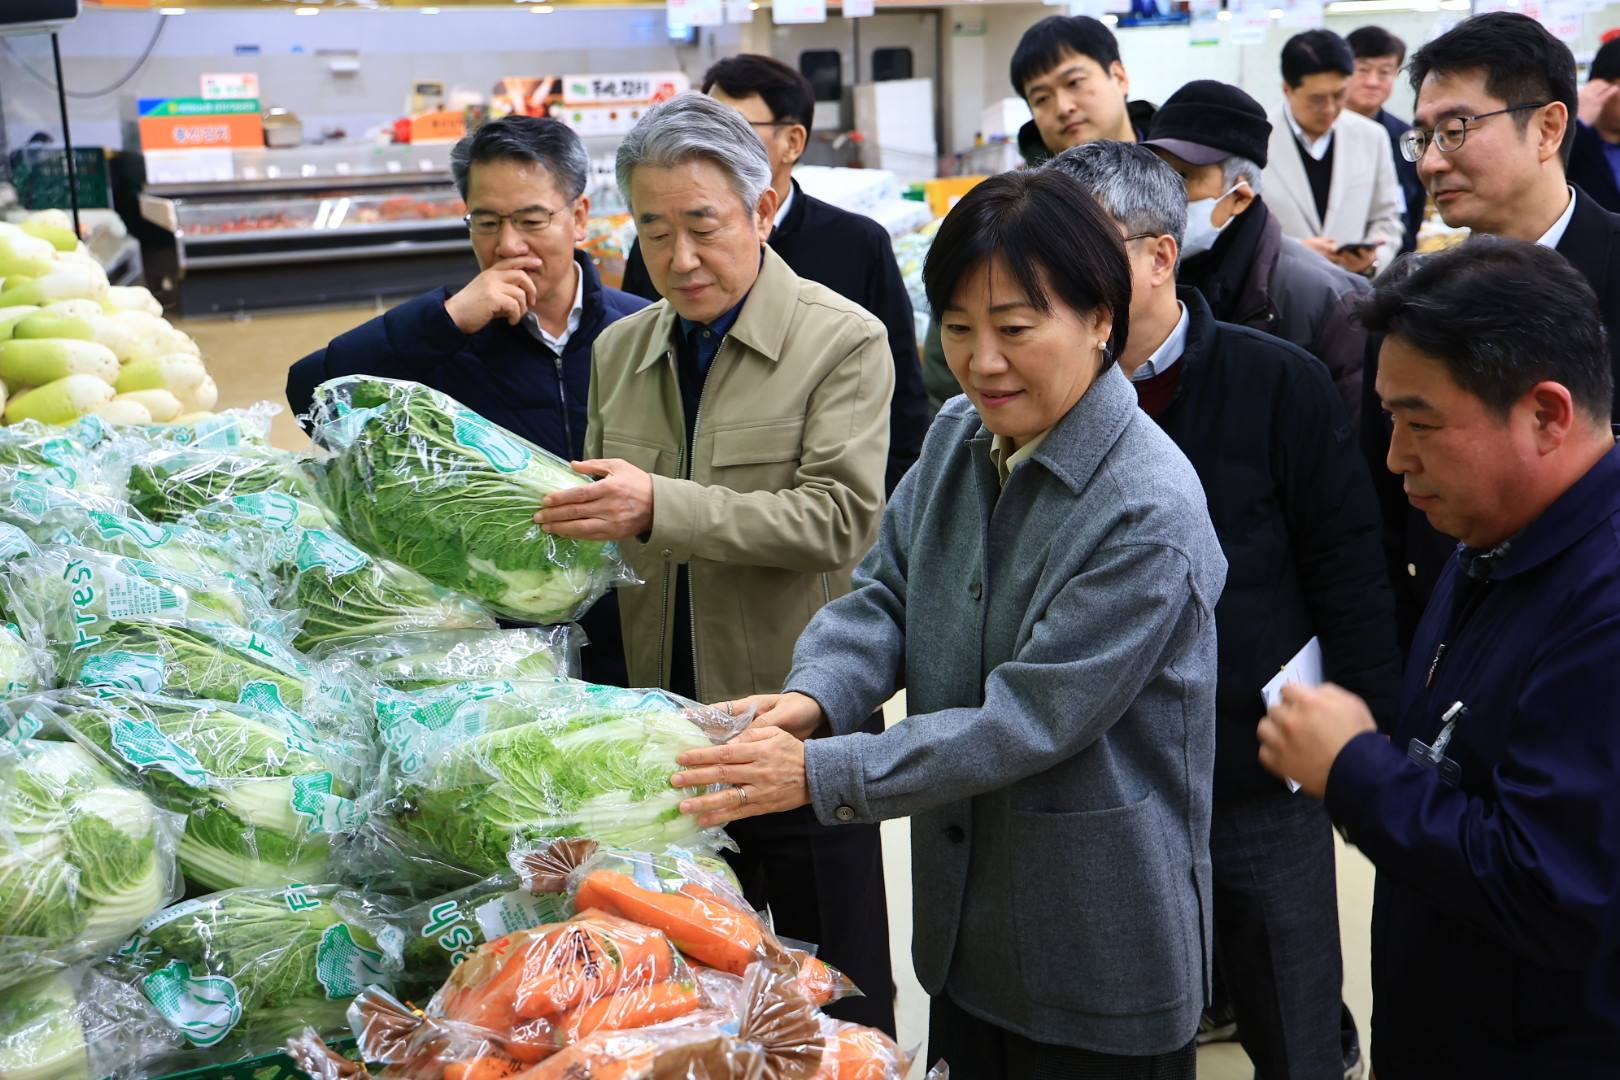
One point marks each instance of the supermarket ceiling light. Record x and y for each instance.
(307, 11)
(430, 11)
(542, 9)
(172, 11)
(1276, 13)
(1223, 15)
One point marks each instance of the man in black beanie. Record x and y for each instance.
(1216, 136)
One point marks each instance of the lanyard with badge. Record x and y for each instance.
(1434, 755)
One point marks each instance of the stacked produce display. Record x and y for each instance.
(274, 777)
(72, 345)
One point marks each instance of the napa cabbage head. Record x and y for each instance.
(261, 802)
(83, 858)
(603, 775)
(432, 485)
(283, 958)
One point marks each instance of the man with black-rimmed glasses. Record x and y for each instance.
(514, 344)
(1491, 136)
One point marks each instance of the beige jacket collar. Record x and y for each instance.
(763, 323)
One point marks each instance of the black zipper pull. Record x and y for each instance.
(1434, 665)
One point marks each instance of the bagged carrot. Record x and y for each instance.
(854, 1052)
(699, 905)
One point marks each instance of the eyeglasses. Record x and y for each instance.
(1143, 236)
(774, 123)
(531, 220)
(1449, 135)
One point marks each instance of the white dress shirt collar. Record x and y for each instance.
(1317, 148)
(575, 316)
(1165, 356)
(1555, 235)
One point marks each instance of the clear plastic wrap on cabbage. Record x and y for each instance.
(67, 587)
(227, 431)
(74, 457)
(236, 973)
(422, 659)
(261, 799)
(166, 485)
(85, 857)
(23, 668)
(423, 481)
(203, 658)
(50, 515)
(443, 931)
(79, 1025)
(267, 511)
(476, 770)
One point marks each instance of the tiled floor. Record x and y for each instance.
(249, 358)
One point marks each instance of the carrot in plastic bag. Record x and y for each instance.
(716, 934)
(639, 1007)
(854, 1052)
(483, 1068)
(594, 954)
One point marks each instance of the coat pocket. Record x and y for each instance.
(1100, 918)
(644, 456)
(760, 457)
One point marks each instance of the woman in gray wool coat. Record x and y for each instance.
(1043, 589)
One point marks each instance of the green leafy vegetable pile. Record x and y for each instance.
(422, 480)
(165, 485)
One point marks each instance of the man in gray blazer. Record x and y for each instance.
(1331, 178)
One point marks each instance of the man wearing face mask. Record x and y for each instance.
(1234, 253)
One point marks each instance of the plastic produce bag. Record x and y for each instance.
(23, 668)
(66, 588)
(166, 485)
(422, 659)
(261, 801)
(476, 770)
(62, 456)
(84, 856)
(51, 515)
(420, 479)
(225, 431)
(237, 973)
(444, 930)
(203, 658)
(696, 899)
(78, 1025)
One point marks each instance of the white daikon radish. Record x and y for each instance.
(122, 412)
(177, 373)
(132, 298)
(193, 417)
(163, 405)
(77, 281)
(11, 316)
(22, 255)
(59, 402)
(37, 361)
(202, 399)
(60, 237)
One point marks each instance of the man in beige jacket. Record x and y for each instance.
(740, 430)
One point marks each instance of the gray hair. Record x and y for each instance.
(693, 126)
(548, 143)
(1133, 185)
(1236, 168)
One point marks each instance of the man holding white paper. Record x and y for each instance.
(1294, 511)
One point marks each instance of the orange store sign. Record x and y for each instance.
(199, 124)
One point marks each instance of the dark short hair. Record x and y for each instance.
(1606, 64)
(1051, 235)
(1371, 42)
(1502, 315)
(785, 92)
(1522, 63)
(1042, 47)
(538, 139)
(1314, 52)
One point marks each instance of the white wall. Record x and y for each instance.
(466, 49)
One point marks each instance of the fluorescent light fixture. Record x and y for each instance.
(755, 7)
(430, 11)
(307, 11)
(172, 11)
(542, 9)
(1276, 13)
(1355, 7)
(1223, 15)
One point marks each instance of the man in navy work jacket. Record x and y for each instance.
(514, 345)
(848, 253)
(1492, 809)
